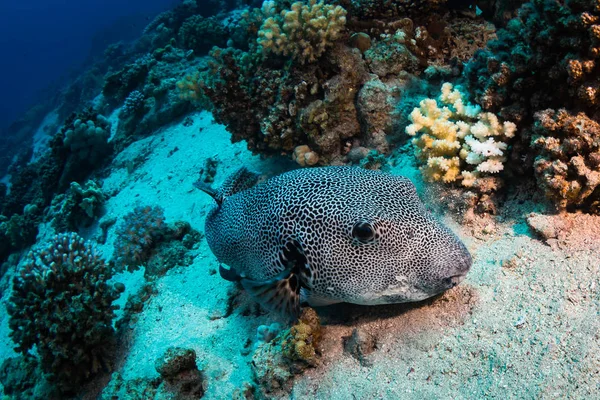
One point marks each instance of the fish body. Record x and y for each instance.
(332, 234)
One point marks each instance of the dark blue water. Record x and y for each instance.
(43, 41)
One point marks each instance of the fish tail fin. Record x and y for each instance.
(209, 190)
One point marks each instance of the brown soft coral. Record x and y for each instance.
(275, 363)
(568, 161)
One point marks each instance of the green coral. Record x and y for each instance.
(303, 32)
(63, 305)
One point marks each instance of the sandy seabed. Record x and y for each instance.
(525, 324)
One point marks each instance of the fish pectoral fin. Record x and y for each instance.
(230, 274)
(281, 294)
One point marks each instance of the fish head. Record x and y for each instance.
(385, 247)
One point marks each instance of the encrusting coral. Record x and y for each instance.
(63, 305)
(303, 32)
(456, 141)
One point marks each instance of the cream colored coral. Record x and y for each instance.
(303, 32)
(456, 140)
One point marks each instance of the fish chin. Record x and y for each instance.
(393, 295)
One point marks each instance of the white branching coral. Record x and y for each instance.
(303, 32)
(456, 141)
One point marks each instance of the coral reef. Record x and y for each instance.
(17, 232)
(385, 9)
(118, 85)
(293, 350)
(199, 34)
(567, 166)
(62, 304)
(276, 110)
(150, 99)
(545, 58)
(311, 85)
(133, 104)
(303, 32)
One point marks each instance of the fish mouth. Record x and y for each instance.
(453, 281)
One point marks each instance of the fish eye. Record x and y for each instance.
(363, 231)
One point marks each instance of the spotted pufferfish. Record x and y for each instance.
(329, 235)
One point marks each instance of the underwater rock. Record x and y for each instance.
(209, 170)
(391, 56)
(134, 305)
(133, 389)
(360, 344)
(167, 255)
(180, 373)
(376, 103)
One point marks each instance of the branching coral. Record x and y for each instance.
(458, 141)
(568, 163)
(303, 32)
(62, 304)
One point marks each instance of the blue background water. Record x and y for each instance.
(42, 41)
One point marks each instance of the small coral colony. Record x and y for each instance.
(480, 99)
